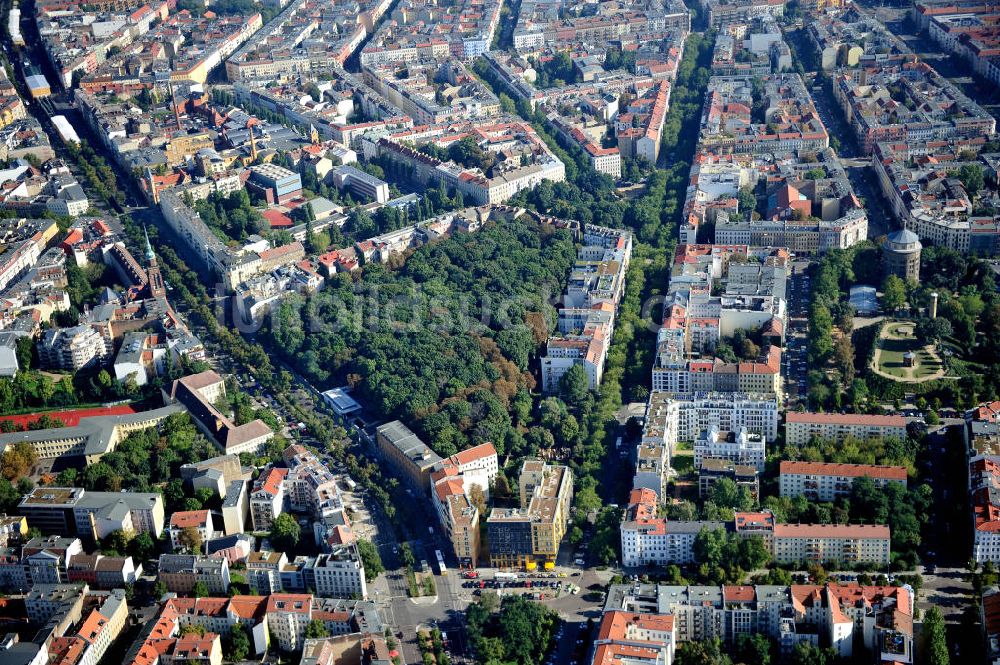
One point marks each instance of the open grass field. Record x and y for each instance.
(896, 339)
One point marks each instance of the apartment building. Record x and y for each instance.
(529, 535)
(846, 543)
(674, 417)
(24, 242)
(336, 574)
(740, 446)
(181, 572)
(651, 540)
(862, 622)
(79, 626)
(652, 462)
(73, 349)
(937, 109)
(92, 515)
(458, 517)
(593, 293)
(827, 482)
(264, 571)
(791, 124)
(199, 520)
(103, 572)
(984, 483)
(725, 13)
(267, 498)
(945, 213)
(452, 490)
(310, 486)
(539, 163)
(639, 128)
(637, 638)
(802, 426)
(235, 508)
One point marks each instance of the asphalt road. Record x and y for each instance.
(796, 368)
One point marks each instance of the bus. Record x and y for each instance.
(440, 558)
(505, 576)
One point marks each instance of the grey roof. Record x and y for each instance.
(131, 349)
(22, 653)
(903, 237)
(401, 437)
(322, 205)
(73, 193)
(233, 493)
(672, 526)
(225, 542)
(96, 431)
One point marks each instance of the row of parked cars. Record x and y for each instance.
(510, 584)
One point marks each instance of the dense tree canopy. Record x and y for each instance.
(520, 633)
(442, 342)
(149, 457)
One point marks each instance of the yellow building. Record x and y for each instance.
(179, 148)
(530, 535)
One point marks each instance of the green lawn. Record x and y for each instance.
(683, 464)
(901, 341)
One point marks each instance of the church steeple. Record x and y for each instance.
(156, 286)
(150, 256)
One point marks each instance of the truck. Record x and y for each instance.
(350, 483)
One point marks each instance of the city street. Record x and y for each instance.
(796, 367)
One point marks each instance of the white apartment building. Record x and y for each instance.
(821, 481)
(984, 479)
(845, 543)
(235, 507)
(651, 466)
(659, 542)
(800, 427)
(73, 348)
(267, 498)
(476, 466)
(263, 572)
(673, 417)
(739, 446)
(338, 574)
(200, 520)
(287, 618)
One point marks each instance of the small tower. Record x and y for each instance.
(901, 255)
(173, 102)
(934, 304)
(253, 141)
(153, 194)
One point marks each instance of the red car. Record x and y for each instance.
(470, 574)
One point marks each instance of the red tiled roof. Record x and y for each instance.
(831, 531)
(189, 518)
(847, 470)
(844, 419)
